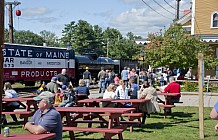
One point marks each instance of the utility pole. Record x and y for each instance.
(11, 27)
(2, 13)
(177, 15)
(107, 46)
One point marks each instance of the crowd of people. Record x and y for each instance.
(47, 119)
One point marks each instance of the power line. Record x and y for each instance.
(163, 7)
(155, 10)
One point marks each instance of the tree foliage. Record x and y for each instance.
(25, 37)
(87, 38)
(50, 38)
(178, 49)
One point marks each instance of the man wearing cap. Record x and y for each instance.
(87, 77)
(52, 86)
(46, 118)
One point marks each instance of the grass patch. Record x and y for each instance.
(183, 126)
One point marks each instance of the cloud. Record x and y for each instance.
(103, 14)
(35, 11)
(139, 21)
(143, 20)
(42, 19)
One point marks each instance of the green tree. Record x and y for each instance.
(177, 48)
(6, 35)
(50, 38)
(28, 37)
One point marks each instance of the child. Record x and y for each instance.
(68, 96)
(116, 79)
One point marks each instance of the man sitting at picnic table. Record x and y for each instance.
(46, 118)
(173, 87)
(214, 115)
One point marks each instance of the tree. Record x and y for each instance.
(50, 38)
(179, 49)
(27, 37)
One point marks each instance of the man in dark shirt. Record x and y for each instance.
(63, 78)
(87, 77)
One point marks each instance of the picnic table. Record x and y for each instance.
(29, 102)
(113, 124)
(94, 102)
(167, 105)
(23, 114)
(28, 136)
(132, 116)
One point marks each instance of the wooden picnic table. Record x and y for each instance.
(132, 116)
(23, 114)
(112, 123)
(29, 102)
(94, 102)
(28, 136)
(168, 96)
(167, 104)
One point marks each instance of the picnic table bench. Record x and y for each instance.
(113, 124)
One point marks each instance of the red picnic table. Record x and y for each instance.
(23, 114)
(28, 136)
(132, 116)
(29, 102)
(133, 102)
(168, 96)
(94, 102)
(167, 105)
(113, 123)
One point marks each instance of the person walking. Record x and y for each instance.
(87, 77)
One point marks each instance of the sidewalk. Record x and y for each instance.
(188, 98)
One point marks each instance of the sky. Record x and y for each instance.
(124, 15)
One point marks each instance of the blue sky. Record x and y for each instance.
(124, 15)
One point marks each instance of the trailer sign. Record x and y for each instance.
(33, 63)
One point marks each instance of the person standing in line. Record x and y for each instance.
(52, 86)
(107, 78)
(87, 77)
(124, 76)
(63, 78)
(46, 118)
(101, 77)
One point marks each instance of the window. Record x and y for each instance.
(214, 20)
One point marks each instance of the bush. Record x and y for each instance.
(190, 87)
